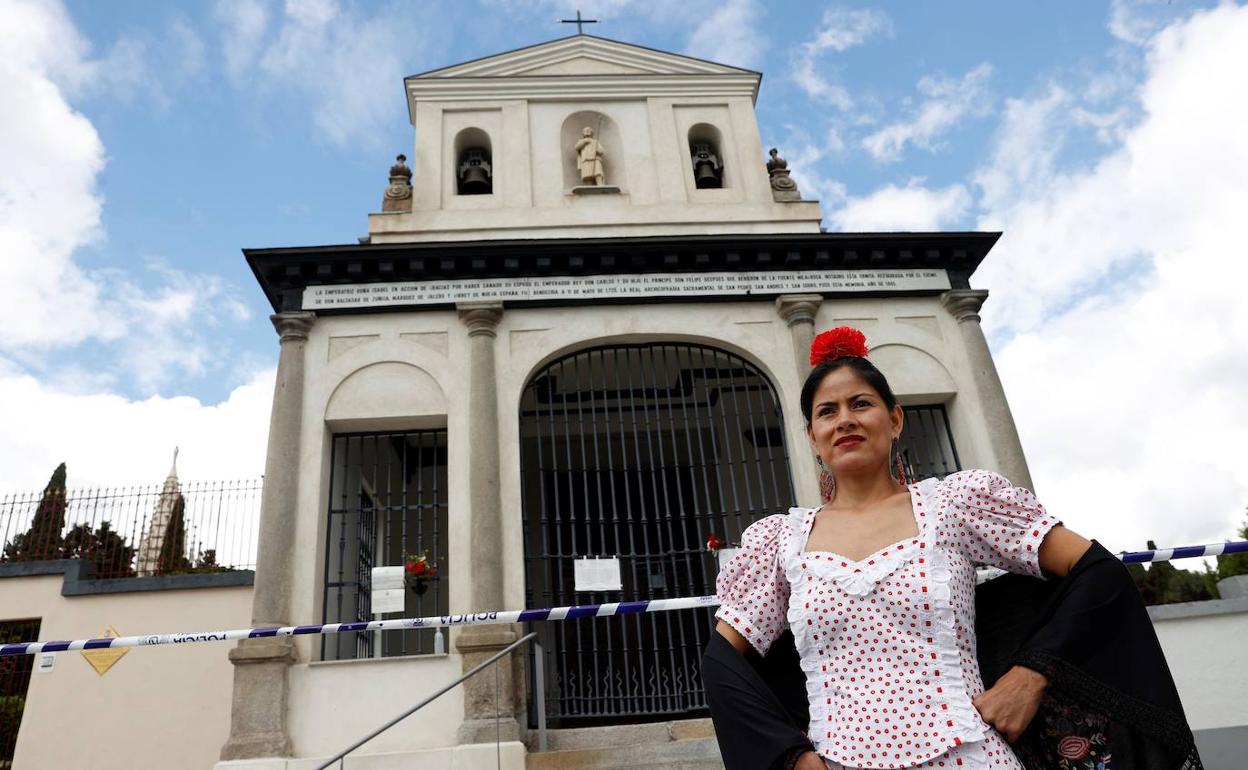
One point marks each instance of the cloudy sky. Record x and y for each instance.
(145, 143)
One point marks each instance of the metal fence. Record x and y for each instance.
(14, 680)
(157, 529)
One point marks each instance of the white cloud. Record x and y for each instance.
(50, 209)
(912, 208)
(49, 205)
(843, 28)
(243, 25)
(342, 61)
(1136, 21)
(1117, 296)
(729, 35)
(946, 103)
(106, 439)
(839, 30)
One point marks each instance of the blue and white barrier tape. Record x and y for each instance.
(495, 618)
(475, 619)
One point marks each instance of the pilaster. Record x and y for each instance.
(482, 717)
(1004, 444)
(799, 311)
(258, 711)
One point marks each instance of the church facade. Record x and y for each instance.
(575, 335)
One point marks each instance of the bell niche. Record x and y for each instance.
(474, 172)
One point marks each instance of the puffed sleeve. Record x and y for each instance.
(752, 589)
(995, 523)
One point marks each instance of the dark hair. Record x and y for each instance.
(861, 366)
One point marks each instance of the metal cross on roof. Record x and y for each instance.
(578, 21)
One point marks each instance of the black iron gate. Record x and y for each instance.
(639, 452)
(387, 500)
(14, 680)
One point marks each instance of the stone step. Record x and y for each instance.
(695, 754)
(623, 735)
(687, 744)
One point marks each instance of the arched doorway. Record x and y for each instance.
(638, 452)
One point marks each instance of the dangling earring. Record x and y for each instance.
(827, 485)
(898, 471)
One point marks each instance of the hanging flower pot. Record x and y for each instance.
(418, 571)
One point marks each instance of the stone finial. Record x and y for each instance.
(783, 188)
(398, 195)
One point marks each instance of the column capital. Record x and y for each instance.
(798, 308)
(964, 304)
(480, 317)
(293, 326)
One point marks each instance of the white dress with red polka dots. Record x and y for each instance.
(888, 642)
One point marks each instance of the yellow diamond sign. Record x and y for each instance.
(103, 660)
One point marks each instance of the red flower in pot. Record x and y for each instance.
(418, 570)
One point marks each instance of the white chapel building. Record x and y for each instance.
(542, 354)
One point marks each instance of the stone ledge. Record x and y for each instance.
(1197, 609)
(621, 736)
(279, 649)
(79, 581)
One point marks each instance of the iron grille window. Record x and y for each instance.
(14, 681)
(639, 452)
(927, 443)
(387, 500)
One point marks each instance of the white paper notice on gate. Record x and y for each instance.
(387, 593)
(597, 574)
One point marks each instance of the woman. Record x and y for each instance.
(878, 588)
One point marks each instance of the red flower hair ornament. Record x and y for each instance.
(838, 343)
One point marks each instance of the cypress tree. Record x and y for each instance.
(43, 540)
(173, 547)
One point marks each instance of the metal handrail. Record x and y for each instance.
(484, 665)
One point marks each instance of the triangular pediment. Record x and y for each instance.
(582, 55)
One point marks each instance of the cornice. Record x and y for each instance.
(516, 62)
(283, 273)
(581, 87)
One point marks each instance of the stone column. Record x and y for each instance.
(477, 643)
(798, 311)
(258, 712)
(1003, 441)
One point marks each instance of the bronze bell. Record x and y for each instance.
(707, 173)
(475, 174)
(706, 177)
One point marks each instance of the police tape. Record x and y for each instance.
(499, 618)
(472, 619)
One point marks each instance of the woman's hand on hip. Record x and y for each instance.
(1013, 701)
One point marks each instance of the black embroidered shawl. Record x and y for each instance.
(1110, 699)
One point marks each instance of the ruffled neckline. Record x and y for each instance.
(858, 577)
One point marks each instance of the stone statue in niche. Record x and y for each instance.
(589, 156)
(398, 195)
(783, 188)
(708, 172)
